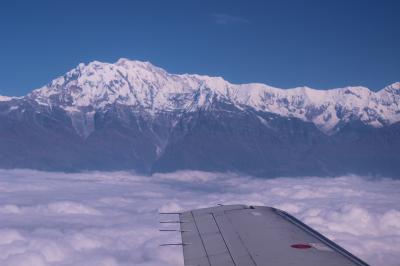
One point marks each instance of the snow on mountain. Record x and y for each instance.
(5, 98)
(94, 86)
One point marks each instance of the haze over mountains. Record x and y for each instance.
(134, 115)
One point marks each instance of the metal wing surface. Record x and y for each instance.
(239, 235)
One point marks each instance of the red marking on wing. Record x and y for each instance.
(301, 246)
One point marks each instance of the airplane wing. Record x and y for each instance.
(240, 235)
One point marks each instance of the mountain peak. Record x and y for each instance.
(126, 61)
(146, 87)
(122, 63)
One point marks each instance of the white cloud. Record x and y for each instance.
(112, 218)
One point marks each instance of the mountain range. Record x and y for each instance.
(132, 115)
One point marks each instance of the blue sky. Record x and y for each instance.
(282, 43)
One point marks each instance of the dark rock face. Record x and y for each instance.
(219, 138)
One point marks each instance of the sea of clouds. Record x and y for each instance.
(112, 219)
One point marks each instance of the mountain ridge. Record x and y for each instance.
(132, 115)
(95, 85)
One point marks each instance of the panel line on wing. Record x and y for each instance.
(201, 238)
(239, 237)
(219, 229)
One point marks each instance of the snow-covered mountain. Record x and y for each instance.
(97, 85)
(134, 115)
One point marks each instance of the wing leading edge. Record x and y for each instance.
(240, 235)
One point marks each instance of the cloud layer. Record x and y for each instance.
(112, 218)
